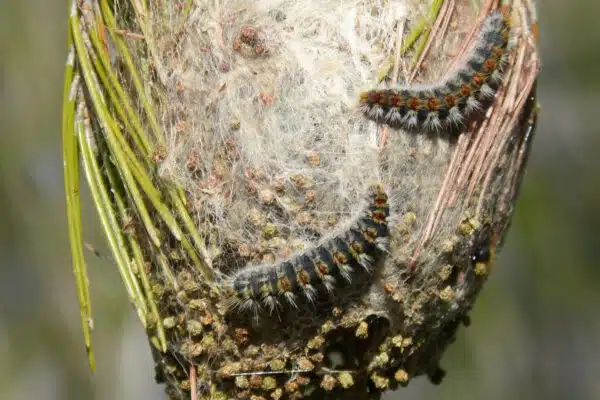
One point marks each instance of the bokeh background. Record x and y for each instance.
(536, 327)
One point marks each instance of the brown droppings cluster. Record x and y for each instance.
(292, 386)
(328, 383)
(401, 376)
(267, 196)
(191, 349)
(303, 218)
(310, 197)
(305, 364)
(185, 385)
(277, 365)
(250, 42)
(313, 158)
(303, 380)
(346, 380)
(249, 35)
(380, 382)
(316, 342)
(445, 272)
(317, 358)
(241, 336)
(277, 394)
(389, 287)
(269, 383)
(255, 381)
(302, 181)
(380, 360)
(362, 331)
(230, 369)
(481, 269)
(327, 327)
(159, 154)
(447, 294)
(267, 99)
(242, 382)
(194, 328)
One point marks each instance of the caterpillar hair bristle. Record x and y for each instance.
(456, 98)
(320, 270)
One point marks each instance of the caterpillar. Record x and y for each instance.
(455, 98)
(318, 270)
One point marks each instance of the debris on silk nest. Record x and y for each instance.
(338, 275)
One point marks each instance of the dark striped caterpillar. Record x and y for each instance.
(319, 270)
(454, 99)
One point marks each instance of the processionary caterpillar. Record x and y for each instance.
(319, 270)
(454, 99)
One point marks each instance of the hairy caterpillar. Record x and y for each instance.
(451, 101)
(318, 270)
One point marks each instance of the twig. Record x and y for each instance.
(395, 71)
(193, 385)
(429, 36)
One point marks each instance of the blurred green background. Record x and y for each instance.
(536, 327)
